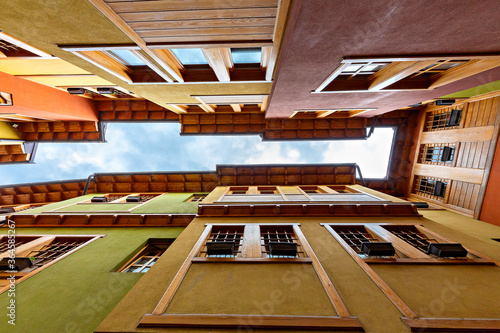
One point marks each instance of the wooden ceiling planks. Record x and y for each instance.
(59, 131)
(178, 21)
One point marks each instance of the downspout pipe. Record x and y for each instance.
(360, 175)
(89, 179)
(372, 128)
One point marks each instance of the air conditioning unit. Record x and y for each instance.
(288, 249)
(378, 249)
(444, 250)
(133, 199)
(99, 199)
(220, 248)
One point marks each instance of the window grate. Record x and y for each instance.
(273, 236)
(224, 235)
(51, 252)
(430, 187)
(443, 119)
(19, 240)
(437, 154)
(411, 235)
(355, 236)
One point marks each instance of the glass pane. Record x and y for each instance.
(133, 269)
(352, 68)
(246, 55)
(128, 57)
(142, 261)
(190, 56)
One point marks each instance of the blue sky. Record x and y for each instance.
(159, 147)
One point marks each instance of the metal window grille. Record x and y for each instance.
(50, 252)
(355, 236)
(147, 197)
(224, 235)
(411, 235)
(147, 257)
(279, 234)
(19, 240)
(425, 186)
(433, 153)
(439, 120)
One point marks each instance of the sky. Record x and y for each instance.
(159, 147)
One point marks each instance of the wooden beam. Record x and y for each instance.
(170, 59)
(227, 56)
(176, 108)
(24, 45)
(467, 69)
(467, 175)
(181, 273)
(120, 23)
(332, 293)
(279, 30)
(264, 56)
(383, 286)
(106, 63)
(2, 55)
(204, 106)
(252, 322)
(323, 114)
(236, 107)
(231, 99)
(218, 63)
(265, 102)
(395, 72)
(471, 134)
(452, 325)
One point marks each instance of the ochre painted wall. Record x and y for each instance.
(76, 293)
(7, 132)
(490, 211)
(206, 286)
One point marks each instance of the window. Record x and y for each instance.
(357, 237)
(246, 55)
(197, 198)
(5, 98)
(405, 243)
(279, 242)
(434, 188)
(117, 198)
(443, 119)
(223, 242)
(35, 253)
(191, 56)
(401, 73)
(437, 154)
(147, 257)
(252, 242)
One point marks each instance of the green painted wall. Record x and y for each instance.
(479, 90)
(76, 293)
(169, 203)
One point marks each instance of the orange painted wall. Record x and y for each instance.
(32, 99)
(490, 211)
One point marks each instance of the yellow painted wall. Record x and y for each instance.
(7, 132)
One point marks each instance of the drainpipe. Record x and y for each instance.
(89, 179)
(360, 175)
(372, 128)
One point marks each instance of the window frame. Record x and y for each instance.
(402, 71)
(251, 245)
(414, 256)
(140, 254)
(38, 243)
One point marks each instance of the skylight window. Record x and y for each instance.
(127, 58)
(246, 55)
(190, 56)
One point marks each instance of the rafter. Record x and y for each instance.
(396, 71)
(218, 62)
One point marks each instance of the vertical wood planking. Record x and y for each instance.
(484, 155)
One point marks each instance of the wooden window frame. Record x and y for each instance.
(400, 73)
(251, 245)
(413, 255)
(140, 254)
(159, 318)
(36, 244)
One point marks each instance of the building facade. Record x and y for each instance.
(250, 248)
